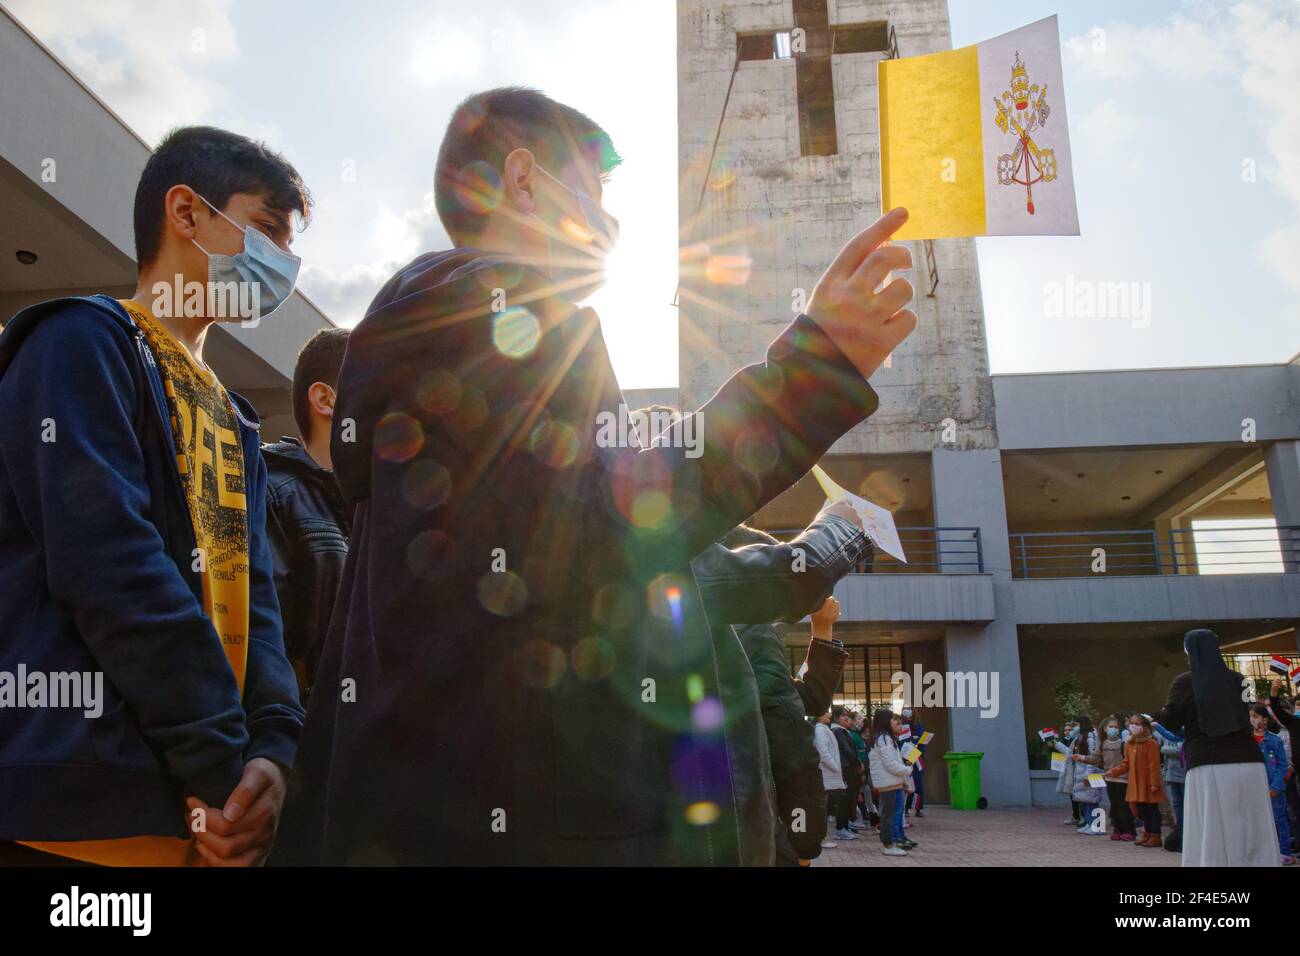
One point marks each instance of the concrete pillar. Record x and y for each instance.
(1282, 460)
(968, 492)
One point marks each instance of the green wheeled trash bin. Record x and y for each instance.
(964, 779)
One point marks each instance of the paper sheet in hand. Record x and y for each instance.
(1096, 781)
(1058, 762)
(876, 521)
(974, 141)
(911, 753)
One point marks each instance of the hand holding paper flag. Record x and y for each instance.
(876, 521)
(974, 141)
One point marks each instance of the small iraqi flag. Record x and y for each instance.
(1281, 665)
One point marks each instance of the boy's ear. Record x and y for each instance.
(180, 207)
(321, 398)
(518, 179)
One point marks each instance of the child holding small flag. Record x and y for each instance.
(1085, 755)
(1270, 745)
(889, 776)
(917, 728)
(1284, 714)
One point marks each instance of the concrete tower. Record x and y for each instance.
(779, 166)
(795, 174)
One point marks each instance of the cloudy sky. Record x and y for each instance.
(1183, 123)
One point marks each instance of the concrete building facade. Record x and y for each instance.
(1059, 527)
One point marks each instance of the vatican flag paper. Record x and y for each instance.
(877, 522)
(974, 141)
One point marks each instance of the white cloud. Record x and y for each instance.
(1182, 47)
(1108, 128)
(1255, 45)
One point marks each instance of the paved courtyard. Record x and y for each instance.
(1031, 837)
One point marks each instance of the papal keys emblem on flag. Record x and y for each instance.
(1022, 111)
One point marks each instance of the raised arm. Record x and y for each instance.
(781, 581)
(771, 422)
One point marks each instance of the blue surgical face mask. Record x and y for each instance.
(1112, 732)
(591, 219)
(262, 263)
(907, 711)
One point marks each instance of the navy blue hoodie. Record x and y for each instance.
(96, 547)
(519, 668)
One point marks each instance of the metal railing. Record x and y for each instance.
(929, 550)
(1142, 551)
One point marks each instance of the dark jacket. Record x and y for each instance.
(773, 761)
(757, 582)
(821, 672)
(850, 762)
(1199, 748)
(506, 561)
(307, 522)
(96, 575)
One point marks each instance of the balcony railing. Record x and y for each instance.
(1142, 551)
(928, 550)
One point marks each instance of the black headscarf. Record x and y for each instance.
(1219, 707)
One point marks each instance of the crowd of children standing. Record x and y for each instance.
(1140, 766)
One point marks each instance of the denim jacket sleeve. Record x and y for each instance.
(761, 583)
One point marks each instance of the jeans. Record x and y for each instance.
(890, 800)
(1280, 821)
(899, 806)
(1175, 791)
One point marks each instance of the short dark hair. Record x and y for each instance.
(319, 361)
(1273, 726)
(483, 131)
(217, 164)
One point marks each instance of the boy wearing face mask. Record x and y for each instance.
(133, 521)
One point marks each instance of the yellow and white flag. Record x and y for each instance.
(974, 142)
